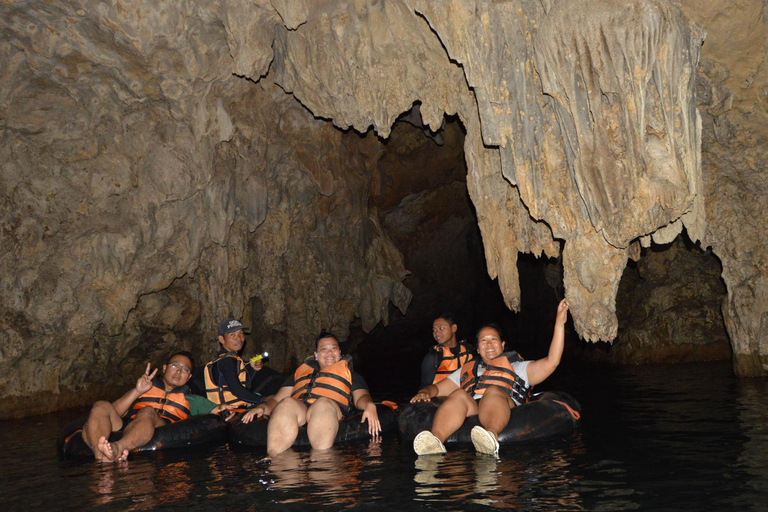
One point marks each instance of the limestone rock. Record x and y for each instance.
(669, 308)
(731, 92)
(147, 193)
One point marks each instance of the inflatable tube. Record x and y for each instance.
(351, 429)
(198, 430)
(547, 414)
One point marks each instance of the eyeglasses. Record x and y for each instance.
(177, 367)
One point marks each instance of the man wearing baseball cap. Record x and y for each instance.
(227, 377)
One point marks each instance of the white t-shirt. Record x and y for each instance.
(520, 368)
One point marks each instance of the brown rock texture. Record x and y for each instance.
(669, 308)
(166, 164)
(732, 92)
(147, 193)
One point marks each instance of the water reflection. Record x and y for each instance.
(328, 474)
(541, 479)
(652, 438)
(752, 400)
(174, 482)
(165, 479)
(133, 483)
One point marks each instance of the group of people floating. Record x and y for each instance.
(324, 390)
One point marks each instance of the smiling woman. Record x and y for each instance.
(488, 389)
(324, 391)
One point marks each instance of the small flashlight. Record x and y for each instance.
(264, 356)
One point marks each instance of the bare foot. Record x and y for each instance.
(109, 452)
(123, 456)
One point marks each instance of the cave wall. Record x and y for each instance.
(147, 193)
(162, 168)
(669, 308)
(732, 93)
(429, 217)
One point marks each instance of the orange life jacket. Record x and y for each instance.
(220, 393)
(172, 406)
(497, 373)
(334, 382)
(449, 362)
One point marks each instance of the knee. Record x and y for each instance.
(146, 413)
(324, 406)
(460, 396)
(286, 406)
(102, 407)
(494, 392)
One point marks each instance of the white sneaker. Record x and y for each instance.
(484, 441)
(427, 444)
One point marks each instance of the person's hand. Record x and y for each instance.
(421, 396)
(257, 412)
(372, 415)
(144, 383)
(257, 365)
(224, 407)
(562, 312)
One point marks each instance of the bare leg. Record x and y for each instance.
(452, 413)
(494, 410)
(138, 432)
(323, 419)
(283, 427)
(102, 421)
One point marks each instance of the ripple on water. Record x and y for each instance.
(653, 438)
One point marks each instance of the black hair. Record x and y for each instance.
(185, 354)
(448, 317)
(493, 326)
(326, 334)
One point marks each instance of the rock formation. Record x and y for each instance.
(165, 165)
(668, 305)
(732, 92)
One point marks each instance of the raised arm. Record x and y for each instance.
(143, 385)
(542, 368)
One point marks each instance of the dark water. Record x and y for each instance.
(689, 437)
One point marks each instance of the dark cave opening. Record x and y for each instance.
(426, 210)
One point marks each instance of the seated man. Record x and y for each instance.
(227, 377)
(448, 355)
(322, 392)
(488, 388)
(153, 402)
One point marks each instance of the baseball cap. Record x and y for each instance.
(230, 325)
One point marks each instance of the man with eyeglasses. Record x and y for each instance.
(153, 402)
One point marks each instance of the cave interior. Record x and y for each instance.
(362, 167)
